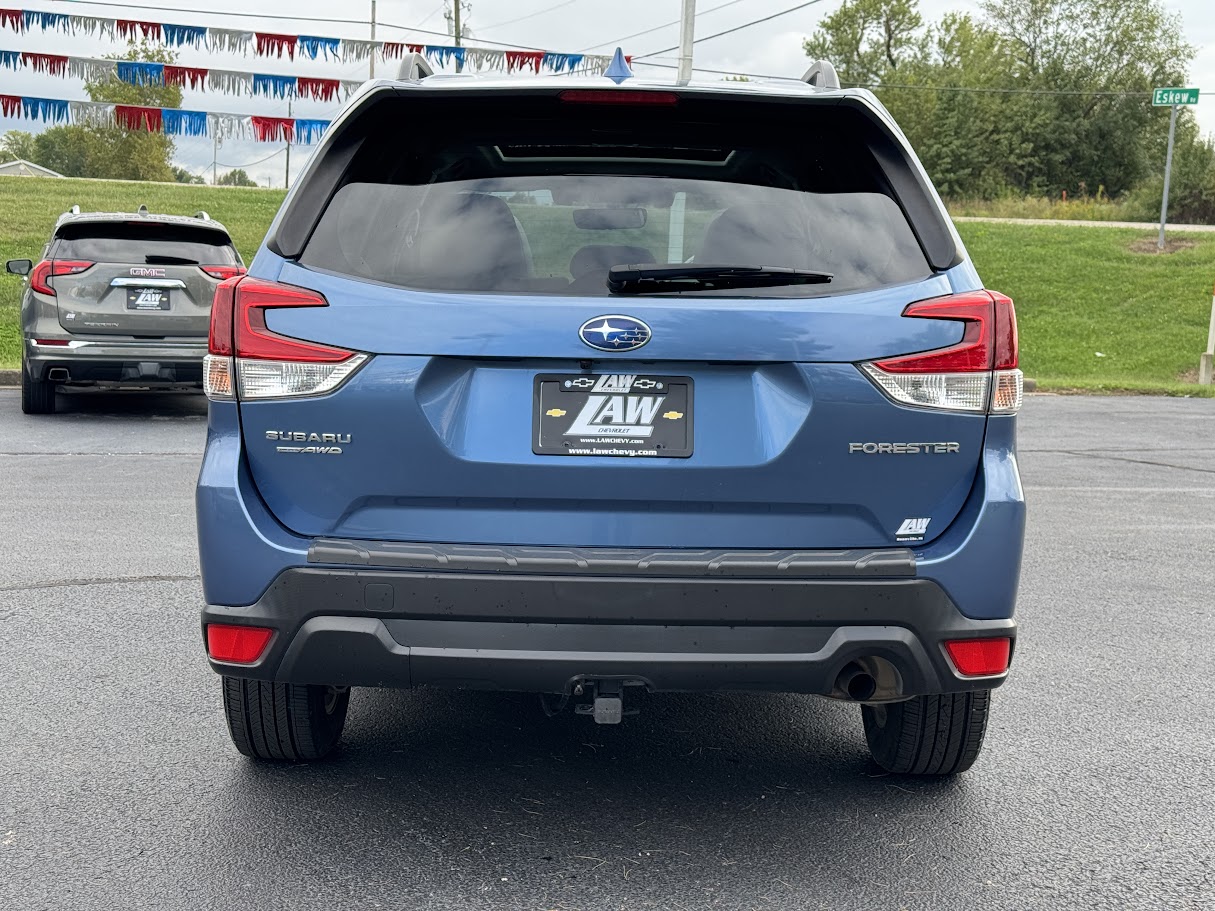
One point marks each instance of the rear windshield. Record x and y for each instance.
(539, 204)
(150, 242)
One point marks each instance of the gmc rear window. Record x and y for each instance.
(144, 243)
(531, 195)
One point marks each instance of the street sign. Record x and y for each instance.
(1163, 98)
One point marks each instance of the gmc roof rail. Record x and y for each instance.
(822, 75)
(414, 66)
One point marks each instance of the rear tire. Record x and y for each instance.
(928, 735)
(284, 721)
(37, 396)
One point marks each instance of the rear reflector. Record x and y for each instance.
(979, 657)
(237, 644)
(52, 342)
(618, 96)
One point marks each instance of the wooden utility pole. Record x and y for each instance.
(287, 177)
(455, 21)
(371, 56)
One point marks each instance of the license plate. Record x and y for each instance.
(147, 299)
(612, 414)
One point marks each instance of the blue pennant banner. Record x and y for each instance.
(277, 86)
(309, 131)
(136, 72)
(10, 59)
(58, 22)
(184, 123)
(312, 47)
(48, 110)
(561, 63)
(179, 35)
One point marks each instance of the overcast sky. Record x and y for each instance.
(594, 26)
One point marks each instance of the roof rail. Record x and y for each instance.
(74, 210)
(142, 210)
(414, 66)
(201, 214)
(822, 75)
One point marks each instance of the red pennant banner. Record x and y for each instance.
(13, 19)
(317, 89)
(51, 64)
(10, 105)
(132, 117)
(127, 28)
(273, 129)
(414, 48)
(268, 44)
(186, 76)
(521, 60)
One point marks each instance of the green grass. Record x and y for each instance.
(29, 207)
(1078, 291)
(1082, 208)
(1094, 315)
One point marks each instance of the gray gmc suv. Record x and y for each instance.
(120, 300)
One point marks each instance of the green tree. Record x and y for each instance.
(181, 175)
(106, 150)
(18, 144)
(864, 39)
(236, 178)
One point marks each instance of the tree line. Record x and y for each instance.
(1032, 97)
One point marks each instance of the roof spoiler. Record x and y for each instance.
(413, 67)
(822, 75)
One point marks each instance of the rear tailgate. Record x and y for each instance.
(142, 278)
(471, 296)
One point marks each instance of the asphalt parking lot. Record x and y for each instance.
(119, 788)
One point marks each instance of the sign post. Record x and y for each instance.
(1172, 98)
(1207, 361)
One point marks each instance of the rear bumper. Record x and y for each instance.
(119, 362)
(544, 619)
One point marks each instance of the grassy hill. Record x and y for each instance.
(1094, 313)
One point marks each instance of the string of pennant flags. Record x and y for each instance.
(136, 72)
(170, 121)
(311, 47)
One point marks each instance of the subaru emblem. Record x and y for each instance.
(614, 333)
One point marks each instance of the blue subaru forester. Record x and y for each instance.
(576, 387)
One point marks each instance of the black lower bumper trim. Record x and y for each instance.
(543, 633)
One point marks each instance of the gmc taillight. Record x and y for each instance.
(223, 272)
(41, 274)
(248, 360)
(978, 374)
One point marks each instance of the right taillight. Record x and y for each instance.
(249, 361)
(41, 274)
(978, 374)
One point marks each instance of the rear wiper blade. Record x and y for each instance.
(156, 259)
(637, 279)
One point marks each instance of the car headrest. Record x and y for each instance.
(599, 258)
(470, 241)
(756, 235)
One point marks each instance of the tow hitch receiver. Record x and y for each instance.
(606, 704)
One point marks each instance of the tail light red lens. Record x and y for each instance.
(237, 644)
(254, 340)
(973, 353)
(980, 657)
(41, 274)
(223, 272)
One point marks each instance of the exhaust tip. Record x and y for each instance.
(856, 683)
(58, 375)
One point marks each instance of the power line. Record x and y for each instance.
(658, 28)
(540, 12)
(738, 28)
(252, 163)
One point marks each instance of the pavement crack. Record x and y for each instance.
(111, 580)
(1114, 458)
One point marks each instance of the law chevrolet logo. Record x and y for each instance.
(556, 412)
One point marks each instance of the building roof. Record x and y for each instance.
(19, 167)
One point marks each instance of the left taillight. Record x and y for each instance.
(41, 274)
(248, 360)
(978, 374)
(223, 272)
